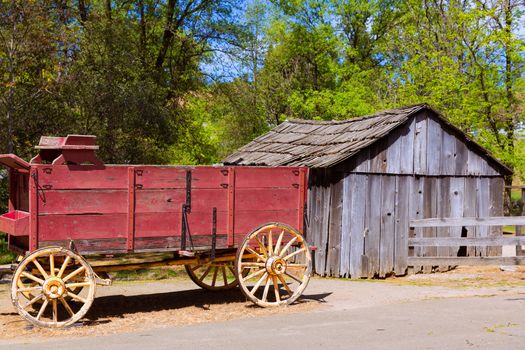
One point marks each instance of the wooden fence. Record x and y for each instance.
(458, 242)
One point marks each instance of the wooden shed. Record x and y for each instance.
(369, 176)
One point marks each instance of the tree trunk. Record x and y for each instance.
(167, 35)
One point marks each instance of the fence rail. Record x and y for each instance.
(456, 242)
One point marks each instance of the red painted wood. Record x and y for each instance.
(162, 224)
(84, 202)
(131, 209)
(253, 177)
(246, 221)
(60, 227)
(171, 200)
(265, 198)
(303, 186)
(230, 229)
(175, 177)
(144, 202)
(13, 190)
(33, 209)
(63, 177)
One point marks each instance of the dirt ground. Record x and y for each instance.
(138, 305)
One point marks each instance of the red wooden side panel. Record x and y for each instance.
(142, 205)
(268, 195)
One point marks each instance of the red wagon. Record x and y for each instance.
(73, 219)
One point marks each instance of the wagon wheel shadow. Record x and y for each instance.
(117, 306)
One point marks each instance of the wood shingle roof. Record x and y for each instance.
(319, 144)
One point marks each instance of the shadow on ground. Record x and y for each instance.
(116, 306)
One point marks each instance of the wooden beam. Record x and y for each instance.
(480, 260)
(465, 241)
(485, 221)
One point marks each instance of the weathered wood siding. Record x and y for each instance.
(359, 210)
(422, 147)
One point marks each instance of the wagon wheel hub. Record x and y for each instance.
(275, 265)
(54, 288)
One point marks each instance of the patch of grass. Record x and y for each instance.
(493, 329)
(6, 256)
(149, 274)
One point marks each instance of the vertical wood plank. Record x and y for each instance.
(394, 152)
(434, 147)
(33, 209)
(448, 159)
(420, 144)
(131, 210)
(372, 241)
(483, 210)
(461, 157)
(344, 267)
(497, 187)
(230, 228)
(362, 161)
(470, 209)
(443, 210)
(416, 211)
(378, 156)
(456, 203)
(386, 254)
(334, 234)
(406, 164)
(325, 222)
(474, 163)
(429, 211)
(357, 224)
(401, 229)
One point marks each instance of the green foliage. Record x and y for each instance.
(188, 82)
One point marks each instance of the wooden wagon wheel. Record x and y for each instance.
(278, 264)
(53, 277)
(214, 276)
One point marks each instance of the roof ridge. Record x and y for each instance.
(383, 113)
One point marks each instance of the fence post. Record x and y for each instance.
(519, 250)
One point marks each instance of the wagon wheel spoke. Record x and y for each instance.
(67, 307)
(74, 273)
(63, 267)
(42, 309)
(258, 284)
(29, 289)
(293, 277)
(55, 310)
(294, 253)
(77, 284)
(259, 256)
(287, 246)
(253, 275)
(52, 264)
(279, 264)
(52, 289)
(266, 289)
(285, 284)
(279, 241)
(34, 278)
(76, 297)
(214, 279)
(270, 243)
(276, 288)
(205, 273)
(32, 301)
(40, 269)
(214, 276)
(261, 246)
